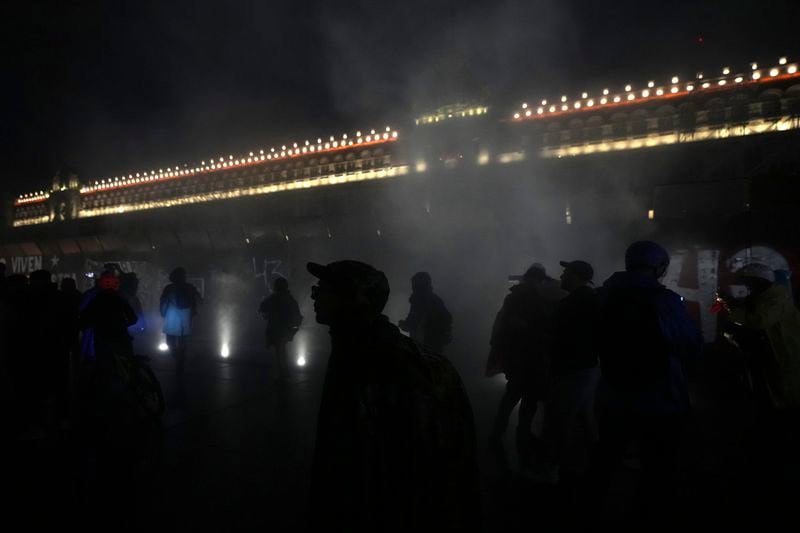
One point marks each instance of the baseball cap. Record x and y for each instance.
(353, 276)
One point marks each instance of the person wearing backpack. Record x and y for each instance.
(428, 321)
(645, 338)
(178, 305)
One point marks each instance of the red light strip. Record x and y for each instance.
(159, 179)
(714, 87)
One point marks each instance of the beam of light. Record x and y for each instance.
(225, 350)
(301, 360)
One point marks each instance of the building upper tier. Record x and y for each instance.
(653, 91)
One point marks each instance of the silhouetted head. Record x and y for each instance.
(68, 285)
(108, 282)
(421, 282)
(178, 275)
(536, 272)
(348, 292)
(280, 285)
(41, 278)
(576, 274)
(647, 257)
(756, 277)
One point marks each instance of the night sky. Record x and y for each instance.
(104, 88)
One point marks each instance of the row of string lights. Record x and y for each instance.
(675, 88)
(218, 163)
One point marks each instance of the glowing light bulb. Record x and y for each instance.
(773, 72)
(605, 92)
(564, 107)
(754, 66)
(706, 85)
(540, 111)
(577, 105)
(544, 102)
(675, 79)
(225, 351)
(563, 98)
(584, 95)
(528, 113)
(782, 61)
(756, 75)
(792, 69)
(163, 347)
(651, 84)
(617, 99)
(524, 106)
(516, 115)
(726, 71)
(673, 90)
(739, 79)
(645, 93)
(631, 96)
(301, 361)
(603, 101)
(628, 87)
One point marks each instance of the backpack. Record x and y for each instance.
(634, 353)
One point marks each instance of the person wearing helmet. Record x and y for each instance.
(178, 305)
(283, 317)
(768, 310)
(645, 339)
(395, 446)
(428, 321)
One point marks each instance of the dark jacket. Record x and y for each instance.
(575, 338)
(428, 321)
(645, 340)
(395, 444)
(523, 332)
(283, 317)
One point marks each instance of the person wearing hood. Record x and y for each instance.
(283, 317)
(521, 347)
(428, 321)
(645, 339)
(395, 446)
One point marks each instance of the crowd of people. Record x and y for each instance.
(395, 444)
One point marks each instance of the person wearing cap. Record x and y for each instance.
(645, 339)
(575, 372)
(283, 317)
(521, 345)
(428, 321)
(395, 439)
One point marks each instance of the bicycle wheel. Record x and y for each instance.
(149, 391)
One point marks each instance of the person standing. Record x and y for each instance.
(521, 345)
(645, 340)
(395, 447)
(178, 305)
(428, 321)
(283, 317)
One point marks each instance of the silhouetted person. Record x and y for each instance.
(70, 298)
(428, 321)
(645, 340)
(767, 327)
(129, 290)
(395, 437)
(109, 316)
(179, 302)
(283, 317)
(521, 345)
(575, 373)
